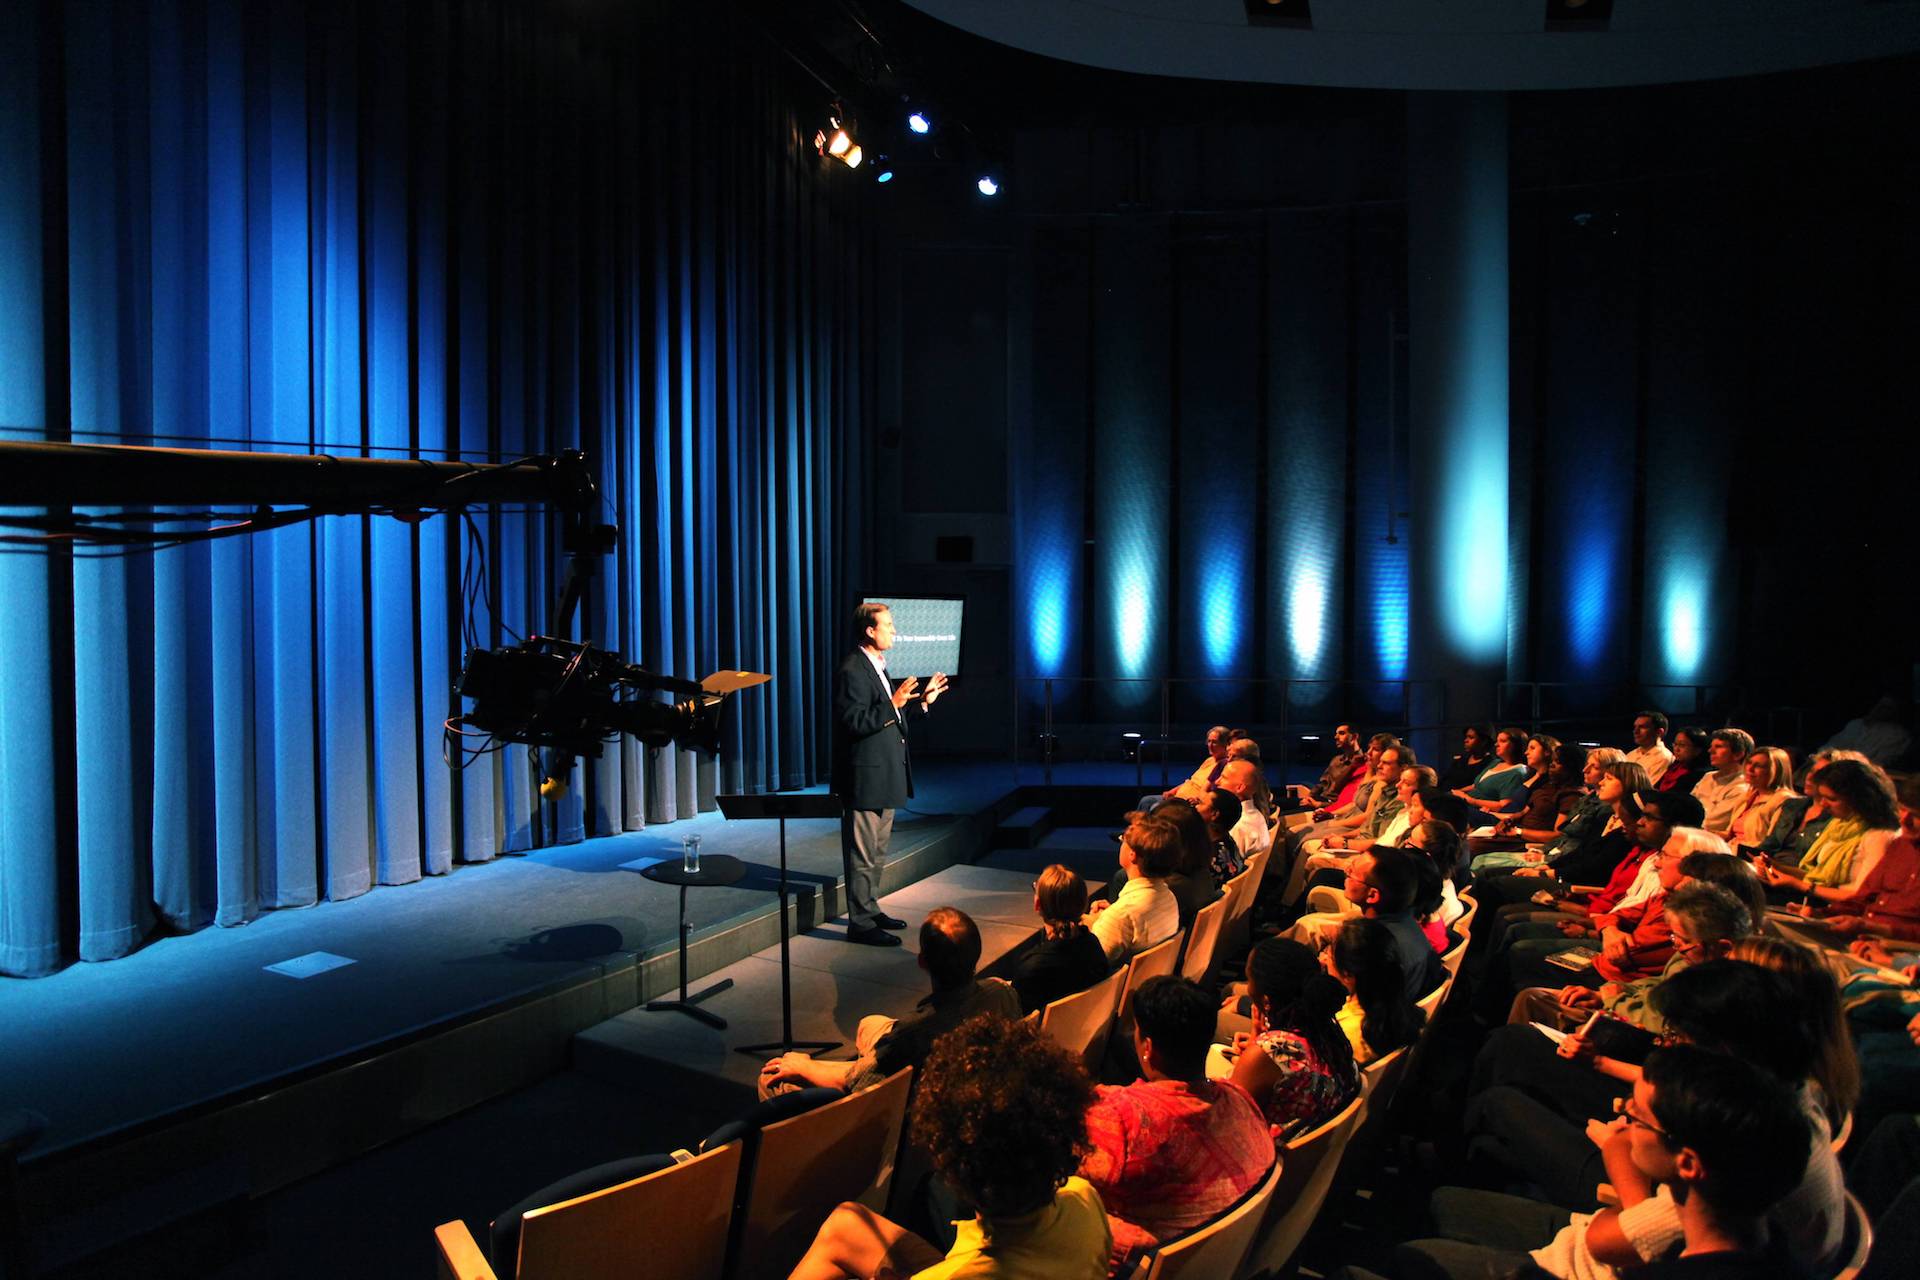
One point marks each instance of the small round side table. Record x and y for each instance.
(716, 869)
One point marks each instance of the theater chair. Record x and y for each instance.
(1217, 1251)
(1309, 1163)
(802, 1159)
(654, 1215)
(1080, 1023)
(1203, 942)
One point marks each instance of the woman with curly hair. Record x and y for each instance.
(1003, 1112)
(1296, 1062)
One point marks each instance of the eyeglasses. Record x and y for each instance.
(1623, 1107)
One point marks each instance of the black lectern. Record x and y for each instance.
(783, 805)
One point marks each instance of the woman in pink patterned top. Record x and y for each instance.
(1296, 1062)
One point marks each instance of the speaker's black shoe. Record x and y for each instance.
(889, 922)
(872, 937)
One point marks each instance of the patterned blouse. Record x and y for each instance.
(1309, 1091)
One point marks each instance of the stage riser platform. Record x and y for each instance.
(86, 1191)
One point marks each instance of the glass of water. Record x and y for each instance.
(690, 855)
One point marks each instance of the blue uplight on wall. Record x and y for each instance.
(1224, 601)
(1134, 584)
(1590, 598)
(1389, 610)
(1473, 592)
(1049, 605)
(1683, 615)
(1307, 617)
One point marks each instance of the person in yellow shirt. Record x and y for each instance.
(1003, 1111)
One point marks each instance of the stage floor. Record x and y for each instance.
(188, 1021)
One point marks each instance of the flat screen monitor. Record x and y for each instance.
(926, 634)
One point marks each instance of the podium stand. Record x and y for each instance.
(782, 805)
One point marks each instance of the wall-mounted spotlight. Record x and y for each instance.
(919, 123)
(836, 140)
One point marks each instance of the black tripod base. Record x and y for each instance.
(686, 1004)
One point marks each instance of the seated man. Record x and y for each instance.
(1251, 832)
(1173, 1150)
(1003, 1112)
(1146, 912)
(1382, 883)
(1704, 1148)
(1725, 785)
(1650, 749)
(1347, 758)
(949, 952)
(1204, 778)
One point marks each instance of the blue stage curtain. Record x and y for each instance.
(464, 229)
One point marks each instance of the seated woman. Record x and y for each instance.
(1003, 1112)
(1296, 1062)
(1579, 823)
(1859, 798)
(1689, 765)
(1436, 904)
(1476, 753)
(1769, 786)
(1539, 762)
(1551, 793)
(1069, 958)
(1592, 858)
(1887, 899)
(1500, 781)
(1378, 1016)
(1800, 825)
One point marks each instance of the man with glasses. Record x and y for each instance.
(1382, 882)
(1699, 1154)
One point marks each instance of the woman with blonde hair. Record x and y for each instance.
(1769, 785)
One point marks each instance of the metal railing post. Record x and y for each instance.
(1046, 735)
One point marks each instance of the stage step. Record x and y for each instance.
(1024, 828)
(835, 984)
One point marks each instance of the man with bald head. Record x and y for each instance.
(1251, 833)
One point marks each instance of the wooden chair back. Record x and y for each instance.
(673, 1222)
(1309, 1164)
(811, 1162)
(1203, 941)
(1156, 961)
(1080, 1023)
(1220, 1248)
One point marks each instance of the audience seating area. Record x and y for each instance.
(748, 1200)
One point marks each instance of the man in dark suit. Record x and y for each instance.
(872, 773)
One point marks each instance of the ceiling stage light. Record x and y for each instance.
(988, 187)
(919, 123)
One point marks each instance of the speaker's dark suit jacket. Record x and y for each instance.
(871, 768)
